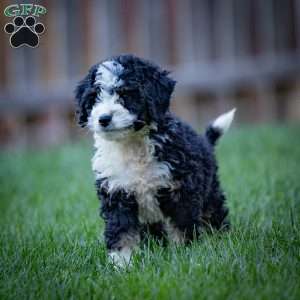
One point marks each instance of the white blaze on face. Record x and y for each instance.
(107, 74)
(107, 78)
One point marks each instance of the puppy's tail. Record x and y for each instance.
(215, 130)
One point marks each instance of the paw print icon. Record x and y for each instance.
(24, 31)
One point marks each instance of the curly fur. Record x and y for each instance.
(154, 173)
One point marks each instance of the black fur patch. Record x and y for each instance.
(152, 86)
(85, 95)
(198, 202)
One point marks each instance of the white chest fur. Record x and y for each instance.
(130, 165)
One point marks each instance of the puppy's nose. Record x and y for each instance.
(104, 120)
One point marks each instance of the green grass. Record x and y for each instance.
(50, 234)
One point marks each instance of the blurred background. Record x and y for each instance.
(223, 53)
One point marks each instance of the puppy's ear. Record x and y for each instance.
(158, 92)
(85, 95)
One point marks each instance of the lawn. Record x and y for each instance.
(51, 245)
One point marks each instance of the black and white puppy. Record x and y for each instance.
(153, 172)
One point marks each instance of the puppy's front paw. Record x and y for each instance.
(121, 258)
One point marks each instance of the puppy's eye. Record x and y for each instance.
(121, 92)
(98, 89)
(127, 92)
(121, 101)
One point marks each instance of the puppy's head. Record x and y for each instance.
(122, 95)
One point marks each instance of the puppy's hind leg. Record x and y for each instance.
(175, 236)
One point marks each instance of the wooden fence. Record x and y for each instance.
(223, 53)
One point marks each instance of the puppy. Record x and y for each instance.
(153, 172)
